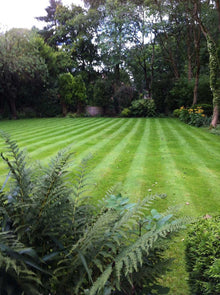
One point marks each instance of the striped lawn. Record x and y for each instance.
(161, 155)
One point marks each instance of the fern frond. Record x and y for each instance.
(18, 167)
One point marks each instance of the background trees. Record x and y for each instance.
(159, 48)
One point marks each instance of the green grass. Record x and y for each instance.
(161, 155)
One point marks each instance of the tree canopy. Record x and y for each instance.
(159, 48)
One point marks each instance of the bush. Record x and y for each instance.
(203, 257)
(124, 96)
(65, 243)
(143, 108)
(208, 108)
(176, 113)
(126, 112)
(193, 116)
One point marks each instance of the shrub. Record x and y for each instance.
(193, 116)
(113, 247)
(143, 108)
(176, 113)
(124, 96)
(126, 112)
(184, 115)
(102, 93)
(208, 108)
(203, 257)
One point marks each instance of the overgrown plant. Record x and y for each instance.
(115, 247)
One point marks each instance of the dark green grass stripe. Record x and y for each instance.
(114, 167)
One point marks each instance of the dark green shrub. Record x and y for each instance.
(203, 257)
(143, 108)
(113, 247)
(124, 96)
(102, 93)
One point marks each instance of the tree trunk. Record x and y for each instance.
(64, 108)
(152, 71)
(215, 116)
(197, 37)
(218, 10)
(12, 107)
(189, 54)
(213, 66)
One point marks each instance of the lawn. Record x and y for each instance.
(141, 156)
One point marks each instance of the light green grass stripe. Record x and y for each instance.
(113, 168)
(134, 184)
(196, 172)
(176, 190)
(98, 145)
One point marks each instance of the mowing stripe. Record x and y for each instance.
(134, 184)
(120, 157)
(194, 135)
(171, 173)
(207, 178)
(104, 142)
(52, 147)
(54, 130)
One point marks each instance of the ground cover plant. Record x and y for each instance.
(155, 155)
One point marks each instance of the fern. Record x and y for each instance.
(83, 249)
(15, 272)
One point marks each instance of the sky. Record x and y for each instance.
(22, 13)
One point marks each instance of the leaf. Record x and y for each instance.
(85, 265)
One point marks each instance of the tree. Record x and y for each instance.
(20, 62)
(66, 88)
(214, 64)
(49, 29)
(116, 32)
(72, 91)
(79, 92)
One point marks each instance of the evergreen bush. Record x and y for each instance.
(143, 108)
(203, 257)
(66, 245)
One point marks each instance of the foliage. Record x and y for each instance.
(126, 112)
(143, 108)
(66, 87)
(176, 113)
(193, 116)
(82, 250)
(102, 93)
(124, 96)
(203, 256)
(16, 263)
(21, 63)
